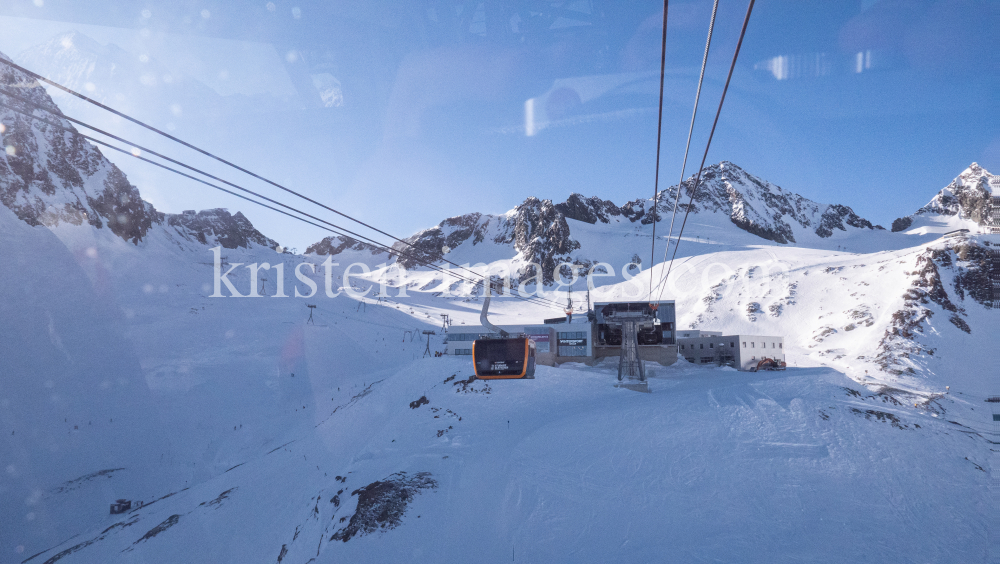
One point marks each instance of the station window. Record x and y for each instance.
(682, 347)
(711, 345)
(752, 344)
(701, 345)
(744, 344)
(732, 344)
(780, 345)
(567, 350)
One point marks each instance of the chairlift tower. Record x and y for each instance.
(311, 308)
(427, 349)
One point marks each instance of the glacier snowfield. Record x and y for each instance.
(237, 424)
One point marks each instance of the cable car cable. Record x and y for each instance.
(174, 161)
(150, 161)
(687, 146)
(659, 132)
(108, 145)
(722, 99)
(538, 299)
(535, 299)
(206, 153)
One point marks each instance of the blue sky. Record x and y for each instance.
(876, 105)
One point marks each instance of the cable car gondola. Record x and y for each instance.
(502, 356)
(505, 358)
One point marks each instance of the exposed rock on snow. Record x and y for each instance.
(50, 176)
(336, 244)
(382, 504)
(967, 267)
(218, 226)
(539, 231)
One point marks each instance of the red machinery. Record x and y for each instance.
(769, 364)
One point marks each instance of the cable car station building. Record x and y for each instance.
(554, 343)
(579, 339)
(742, 352)
(589, 339)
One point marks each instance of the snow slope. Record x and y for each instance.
(251, 435)
(712, 465)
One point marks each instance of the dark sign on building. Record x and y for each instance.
(541, 341)
(572, 342)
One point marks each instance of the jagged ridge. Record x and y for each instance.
(538, 231)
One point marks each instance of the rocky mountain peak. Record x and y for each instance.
(968, 196)
(540, 232)
(219, 227)
(49, 175)
(336, 244)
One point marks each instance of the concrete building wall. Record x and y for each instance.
(742, 351)
(695, 333)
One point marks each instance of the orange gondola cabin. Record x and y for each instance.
(504, 358)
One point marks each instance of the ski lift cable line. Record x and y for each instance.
(334, 229)
(179, 163)
(129, 153)
(718, 112)
(687, 146)
(152, 162)
(202, 181)
(206, 153)
(659, 135)
(389, 249)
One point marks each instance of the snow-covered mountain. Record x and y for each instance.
(731, 207)
(962, 204)
(259, 429)
(49, 176)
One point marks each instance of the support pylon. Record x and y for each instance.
(629, 363)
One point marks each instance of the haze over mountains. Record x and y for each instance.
(248, 432)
